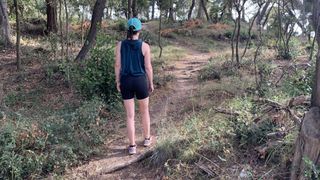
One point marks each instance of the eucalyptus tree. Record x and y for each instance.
(4, 24)
(307, 151)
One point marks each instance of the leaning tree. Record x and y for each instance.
(95, 20)
(307, 150)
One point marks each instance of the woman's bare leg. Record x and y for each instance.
(145, 116)
(129, 106)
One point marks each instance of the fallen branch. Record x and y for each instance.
(125, 164)
(205, 169)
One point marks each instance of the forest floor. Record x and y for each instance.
(164, 105)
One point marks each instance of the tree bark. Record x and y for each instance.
(200, 10)
(263, 12)
(61, 29)
(171, 18)
(18, 35)
(51, 16)
(96, 18)
(153, 9)
(204, 6)
(308, 141)
(134, 8)
(67, 29)
(4, 24)
(191, 9)
(129, 11)
(159, 33)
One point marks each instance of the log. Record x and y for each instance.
(307, 144)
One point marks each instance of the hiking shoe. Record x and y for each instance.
(147, 142)
(132, 149)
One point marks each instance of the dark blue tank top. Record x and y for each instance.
(132, 59)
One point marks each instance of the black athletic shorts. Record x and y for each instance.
(131, 86)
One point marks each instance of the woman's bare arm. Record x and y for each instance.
(147, 64)
(117, 64)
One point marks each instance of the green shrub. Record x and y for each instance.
(209, 72)
(30, 150)
(300, 83)
(97, 77)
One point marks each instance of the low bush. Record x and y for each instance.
(29, 149)
(209, 72)
(96, 76)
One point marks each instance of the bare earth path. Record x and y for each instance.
(115, 164)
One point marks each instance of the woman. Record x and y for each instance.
(134, 77)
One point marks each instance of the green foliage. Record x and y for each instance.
(204, 132)
(264, 70)
(97, 77)
(29, 150)
(209, 72)
(312, 171)
(299, 83)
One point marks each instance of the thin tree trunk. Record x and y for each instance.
(82, 21)
(67, 29)
(171, 18)
(159, 34)
(268, 15)
(191, 9)
(129, 11)
(61, 29)
(51, 16)
(263, 12)
(18, 35)
(200, 10)
(153, 8)
(232, 39)
(134, 8)
(249, 32)
(96, 18)
(4, 24)
(203, 4)
(238, 38)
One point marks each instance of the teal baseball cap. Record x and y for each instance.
(136, 23)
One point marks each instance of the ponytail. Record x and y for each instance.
(131, 32)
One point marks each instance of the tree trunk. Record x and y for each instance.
(67, 29)
(18, 35)
(191, 9)
(238, 37)
(61, 29)
(159, 33)
(204, 6)
(96, 18)
(153, 8)
(51, 16)
(307, 145)
(134, 8)
(263, 12)
(4, 24)
(171, 18)
(82, 22)
(200, 10)
(129, 11)
(308, 141)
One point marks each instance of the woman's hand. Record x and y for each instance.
(118, 87)
(151, 88)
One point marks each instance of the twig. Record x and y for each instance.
(205, 169)
(225, 111)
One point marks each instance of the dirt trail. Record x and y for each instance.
(185, 72)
